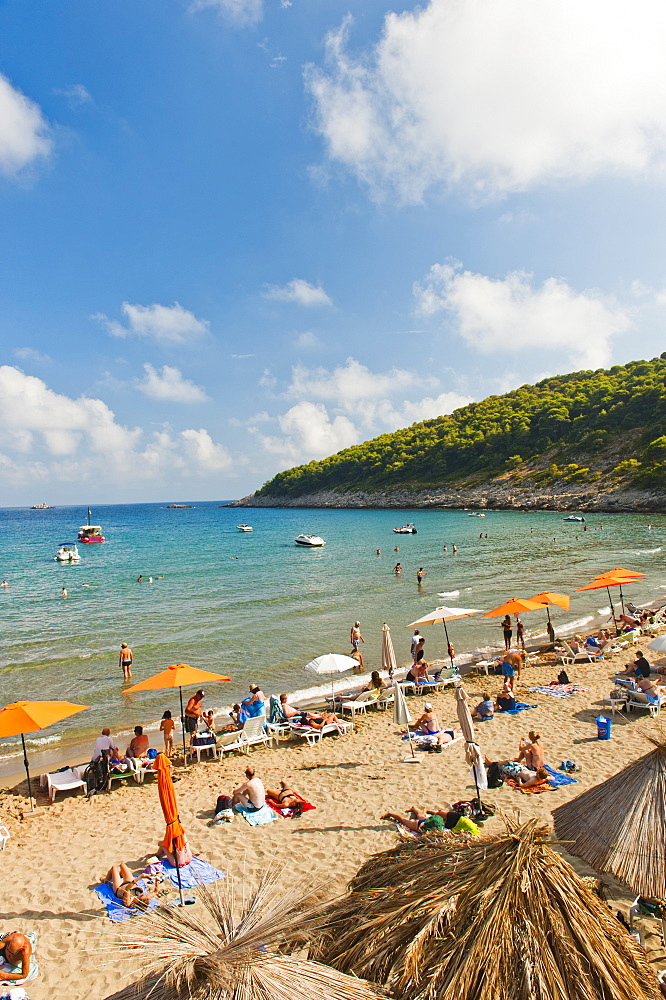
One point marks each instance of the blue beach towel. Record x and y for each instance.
(257, 817)
(558, 778)
(198, 872)
(117, 912)
(520, 707)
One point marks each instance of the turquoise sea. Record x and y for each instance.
(262, 615)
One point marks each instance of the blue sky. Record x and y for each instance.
(242, 234)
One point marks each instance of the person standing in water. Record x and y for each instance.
(520, 632)
(419, 575)
(508, 631)
(125, 660)
(355, 635)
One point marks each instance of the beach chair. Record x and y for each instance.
(360, 703)
(63, 781)
(639, 700)
(252, 734)
(424, 687)
(386, 698)
(199, 748)
(313, 736)
(568, 656)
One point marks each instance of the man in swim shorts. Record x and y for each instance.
(193, 712)
(251, 793)
(355, 635)
(15, 948)
(126, 659)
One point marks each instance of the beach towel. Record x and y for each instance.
(34, 967)
(520, 707)
(558, 778)
(559, 690)
(115, 909)
(198, 872)
(288, 812)
(256, 817)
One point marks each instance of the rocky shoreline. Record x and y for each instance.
(575, 498)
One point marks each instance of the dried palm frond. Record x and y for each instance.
(228, 948)
(492, 918)
(619, 826)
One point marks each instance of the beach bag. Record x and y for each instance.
(223, 802)
(563, 677)
(495, 776)
(464, 808)
(96, 775)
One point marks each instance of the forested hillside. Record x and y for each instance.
(584, 426)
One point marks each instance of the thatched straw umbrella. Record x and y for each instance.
(619, 826)
(228, 949)
(498, 918)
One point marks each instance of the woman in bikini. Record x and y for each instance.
(127, 890)
(286, 796)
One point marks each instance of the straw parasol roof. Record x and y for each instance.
(619, 826)
(234, 945)
(505, 917)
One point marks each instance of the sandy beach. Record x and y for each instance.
(55, 857)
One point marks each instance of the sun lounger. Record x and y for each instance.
(252, 734)
(386, 698)
(62, 781)
(568, 656)
(360, 703)
(315, 735)
(199, 748)
(637, 699)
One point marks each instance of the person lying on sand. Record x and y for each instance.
(531, 751)
(15, 948)
(438, 819)
(286, 796)
(517, 772)
(126, 888)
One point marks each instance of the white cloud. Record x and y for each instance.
(511, 314)
(76, 93)
(243, 13)
(299, 291)
(30, 354)
(24, 132)
(47, 435)
(494, 96)
(307, 341)
(166, 324)
(348, 405)
(169, 384)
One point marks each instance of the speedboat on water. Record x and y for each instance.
(407, 529)
(573, 517)
(67, 553)
(311, 540)
(244, 527)
(476, 513)
(90, 532)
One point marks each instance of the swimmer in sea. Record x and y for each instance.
(139, 578)
(395, 548)
(379, 552)
(454, 549)
(63, 592)
(397, 569)
(234, 558)
(4, 584)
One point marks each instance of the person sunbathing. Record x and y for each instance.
(653, 692)
(428, 723)
(16, 950)
(439, 819)
(375, 683)
(286, 796)
(505, 699)
(522, 775)
(531, 751)
(126, 888)
(321, 720)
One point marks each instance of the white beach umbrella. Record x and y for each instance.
(330, 664)
(658, 644)
(442, 615)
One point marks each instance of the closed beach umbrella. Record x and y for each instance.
(174, 838)
(30, 716)
(401, 716)
(500, 917)
(330, 664)
(388, 652)
(178, 675)
(619, 826)
(443, 615)
(472, 749)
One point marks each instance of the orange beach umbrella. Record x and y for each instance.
(546, 597)
(178, 675)
(28, 716)
(618, 571)
(614, 578)
(174, 838)
(515, 606)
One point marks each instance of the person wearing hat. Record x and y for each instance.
(193, 713)
(126, 659)
(428, 723)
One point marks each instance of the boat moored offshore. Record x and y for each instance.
(312, 540)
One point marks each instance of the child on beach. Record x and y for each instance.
(167, 726)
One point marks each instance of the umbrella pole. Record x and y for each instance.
(182, 726)
(622, 598)
(180, 884)
(27, 771)
(448, 642)
(610, 601)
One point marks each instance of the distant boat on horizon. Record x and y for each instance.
(42, 506)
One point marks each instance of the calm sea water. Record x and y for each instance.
(262, 615)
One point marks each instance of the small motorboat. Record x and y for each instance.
(90, 532)
(41, 506)
(244, 527)
(476, 513)
(67, 553)
(311, 540)
(407, 529)
(573, 517)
